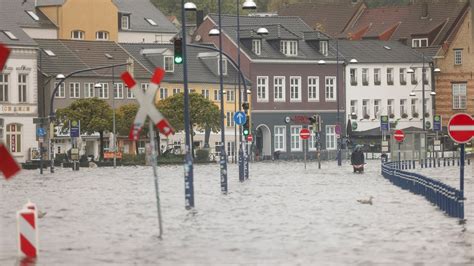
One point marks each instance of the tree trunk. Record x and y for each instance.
(101, 152)
(207, 135)
(136, 147)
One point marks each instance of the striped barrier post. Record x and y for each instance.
(28, 231)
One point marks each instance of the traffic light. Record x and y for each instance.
(178, 51)
(245, 127)
(316, 122)
(245, 106)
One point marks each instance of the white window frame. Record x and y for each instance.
(230, 119)
(130, 94)
(390, 107)
(459, 93)
(313, 88)
(22, 87)
(118, 91)
(224, 66)
(328, 88)
(353, 76)
(353, 107)
(402, 76)
(89, 90)
(414, 106)
(103, 92)
(217, 95)
(324, 48)
(61, 92)
(313, 140)
(403, 103)
(414, 78)
(257, 46)
(377, 107)
(77, 35)
(4, 87)
(145, 86)
(102, 35)
(262, 88)
(295, 89)
(163, 93)
(125, 22)
(390, 77)
(295, 140)
(331, 137)
(365, 77)
(230, 95)
(289, 47)
(280, 138)
(279, 88)
(377, 76)
(74, 90)
(417, 42)
(14, 137)
(204, 92)
(168, 63)
(176, 91)
(457, 57)
(365, 108)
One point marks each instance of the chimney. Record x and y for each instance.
(424, 9)
(199, 17)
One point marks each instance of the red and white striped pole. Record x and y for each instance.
(28, 231)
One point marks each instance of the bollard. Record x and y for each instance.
(28, 231)
(429, 160)
(444, 162)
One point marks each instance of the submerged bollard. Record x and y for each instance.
(28, 231)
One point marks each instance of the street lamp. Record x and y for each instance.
(353, 61)
(188, 164)
(262, 31)
(214, 32)
(321, 62)
(115, 94)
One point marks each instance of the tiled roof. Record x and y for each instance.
(330, 18)
(50, 2)
(14, 12)
(441, 16)
(376, 51)
(202, 64)
(141, 9)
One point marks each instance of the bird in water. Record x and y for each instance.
(366, 201)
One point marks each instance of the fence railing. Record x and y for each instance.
(447, 198)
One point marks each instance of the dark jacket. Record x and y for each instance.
(357, 158)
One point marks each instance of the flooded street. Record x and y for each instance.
(283, 215)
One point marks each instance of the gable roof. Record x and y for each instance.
(142, 9)
(65, 61)
(16, 12)
(202, 64)
(328, 17)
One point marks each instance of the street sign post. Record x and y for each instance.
(304, 135)
(240, 118)
(437, 123)
(384, 124)
(399, 136)
(40, 132)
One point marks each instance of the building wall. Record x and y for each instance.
(41, 33)
(52, 12)
(144, 37)
(451, 73)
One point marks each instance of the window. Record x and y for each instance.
(279, 89)
(61, 92)
(33, 15)
(176, 91)
(403, 111)
(231, 148)
(89, 90)
(313, 89)
(289, 48)
(457, 56)
(230, 95)
(330, 89)
(130, 94)
(425, 76)
(151, 21)
(389, 76)
(262, 89)
(145, 86)
(125, 22)
(353, 109)
(10, 35)
(14, 137)
(49, 52)
(217, 95)
(323, 48)
(224, 67)
(118, 91)
(229, 119)
(313, 139)
(353, 72)
(205, 93)
(413, 77)
(295, 89)
(74, 88)
(403, 80)
(257, 46)
(377, 76)
(365, 76)
(390, 108)
(280, 138)
(420, 42)
(414, 109)
(168, 63)
(77, 35)
(103, 92)
(377, 108)
(3, 87)
(365, 109)
(102, 35)
(22, 88)
(459, 96)
(163, 93)
(331, 137)
(295, 138)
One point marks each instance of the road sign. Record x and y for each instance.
(304, 133)
(437, 123)
(40, 132)
(8, 166)
(74, 129)
(240, 118)
(250, 138)
(384, 124)
(461, 128)
(40, 120)
(399, 135)
(338, 129)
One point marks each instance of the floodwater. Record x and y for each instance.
(283, 215)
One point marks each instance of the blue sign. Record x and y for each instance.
(74, 131)
(240, 118)
(40, 132)
(437, 123)
(384, 123)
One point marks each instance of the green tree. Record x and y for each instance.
(95, 116)
(125, 116)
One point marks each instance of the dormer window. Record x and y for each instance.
(224, 67)
(289, 48)
(419, 42)
(169, 63)
(323, 48)
(102, 35)
(257, 46)
(77, 35)
(125, 22)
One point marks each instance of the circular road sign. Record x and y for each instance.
(250, 138)
(304, 133)
(399, 135)
(461, 127)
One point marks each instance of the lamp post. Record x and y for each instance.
(114, 139)
(338, 123)
(188, 163)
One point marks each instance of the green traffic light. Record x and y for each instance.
(245, 132)
(178, 60)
